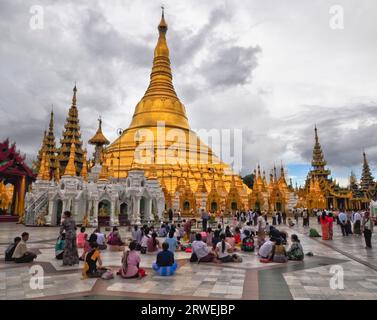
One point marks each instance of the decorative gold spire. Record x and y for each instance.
(70, 169)
(84, 171)
(99, 141)
(42, 168)
(160, 101)
(104, 174)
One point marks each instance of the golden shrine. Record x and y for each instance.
(174, 154)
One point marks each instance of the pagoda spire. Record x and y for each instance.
(84, 171)
(70, 169)
(366, 177)
(99, 141)
(160, 92)
(318, 161)
(71, 135)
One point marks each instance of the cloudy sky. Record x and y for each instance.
(271, 68)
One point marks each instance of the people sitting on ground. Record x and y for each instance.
(215, 239)
(153, 244)
(279, 255)
(248, 227)
(219, 228)
(115, 241)
(201, 252)
(93, 263)
(21, 254)
(165, 264)
(10, 250)
(228, 233)
(137, 235)
(144, 240)
(131, 263)
(224, 251)
(209, 236)
(295, 252)
(101, 239)
(171, 241)
(59, 247)
(266, 251)
(237, 235)
(162, 231)
(247, 242)
(81, 238)
(290, 222)
(87, 247)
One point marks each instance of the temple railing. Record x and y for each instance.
(33, 209)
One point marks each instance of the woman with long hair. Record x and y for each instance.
(153, 244)
(130, 263)
(224, 251)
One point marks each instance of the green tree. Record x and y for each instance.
(249, 180)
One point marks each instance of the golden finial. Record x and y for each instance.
(70, 169)
(84, 170)
(74, 95)
(41, 171)
(104, 174)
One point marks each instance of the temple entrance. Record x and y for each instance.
(186, 206)
(123, 215)
(104, 209)
(257, 205)
(213, 206)
(278, 206)
(59, 211)
(233, 206)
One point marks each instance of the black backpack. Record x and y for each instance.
(9, 252)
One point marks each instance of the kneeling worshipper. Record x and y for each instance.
(165, 264)
(10, 250)
(201, 252)
(131, 263)
(295, 252)
(279, 255)
(266, 251)
(92, 259)
(115, 241)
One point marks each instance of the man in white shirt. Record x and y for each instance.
(21, 253)
(201, 250)
(343, 223)
(101, 239)
(266, 250)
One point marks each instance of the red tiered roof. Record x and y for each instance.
(12, 164)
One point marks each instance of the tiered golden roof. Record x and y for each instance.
(70, 169)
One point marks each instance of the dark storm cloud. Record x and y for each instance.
(342, 140)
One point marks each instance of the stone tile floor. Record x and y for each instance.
(247, 280)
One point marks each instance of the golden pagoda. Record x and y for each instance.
(160, 139)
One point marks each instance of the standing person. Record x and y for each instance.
(284, 215)
(170, 213)
(304, 217)
(274, 218)
(330, 218)
(21, 254)
(343, 223)
(255, 218)
(367, 227)
(187, 227)
(261, 226)
(324, 226)
(319, 214)
(205, 218)
(279, 218)
(296, 216)
(71, 255)
(357, 223)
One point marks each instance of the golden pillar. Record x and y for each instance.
(21, 197)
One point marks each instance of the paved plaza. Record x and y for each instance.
(309, 280)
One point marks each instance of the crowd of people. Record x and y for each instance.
(246, 232)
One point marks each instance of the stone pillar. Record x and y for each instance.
(136, 210)
(95, 217)
(49, 215)
(148, 209)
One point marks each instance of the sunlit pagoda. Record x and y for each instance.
(189, 165)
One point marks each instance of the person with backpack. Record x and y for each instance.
(10, 250)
